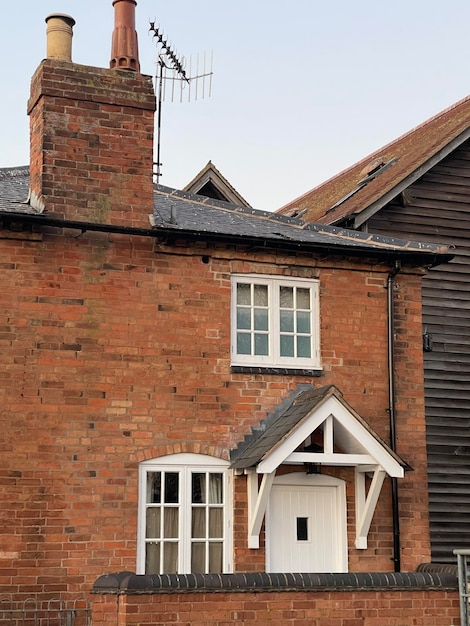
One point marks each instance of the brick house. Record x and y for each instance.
(200, 400)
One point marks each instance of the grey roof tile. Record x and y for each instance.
(14, 189)
(281, 422)
(186, 214)
(190, 213)
(265, 436)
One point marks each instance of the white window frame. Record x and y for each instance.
(186, 464)
(274, 359)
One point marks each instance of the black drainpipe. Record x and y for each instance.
(391, 396)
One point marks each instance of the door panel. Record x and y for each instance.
(302, 529)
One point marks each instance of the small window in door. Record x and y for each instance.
(302, 529)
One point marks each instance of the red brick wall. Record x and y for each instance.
(92, 143)
(115, 350)
(359, 608)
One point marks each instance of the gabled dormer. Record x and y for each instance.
(209, 182)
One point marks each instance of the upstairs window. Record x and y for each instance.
(275, 322)
(184, 516)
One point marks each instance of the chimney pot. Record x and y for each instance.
(125, 48)
(59, 36)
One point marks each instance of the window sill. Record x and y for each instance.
(280, 371)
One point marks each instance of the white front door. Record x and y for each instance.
(306, 525)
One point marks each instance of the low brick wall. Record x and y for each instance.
(405, 599)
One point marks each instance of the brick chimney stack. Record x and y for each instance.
(92, 134)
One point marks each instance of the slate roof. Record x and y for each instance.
(288, 416)
(359, 188)
(179, 211)
(14, 188)
(181, 215)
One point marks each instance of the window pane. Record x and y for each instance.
(243, 294)
(243, 318)
(303, 298)
(303, 322)
(198, 558)
(152, 526)
(260, 295)
(198, 482)
(171, 522)
(261, 344)
(170, 557)
(286, 295)
(215, 557)
(198, 523)
(152, 558)
(243, 343)
(261, 319)
(216, 493)
(287, 321)
(171, 487)
(216, 520)
(154, 487)
(287, 345)
(303, 347)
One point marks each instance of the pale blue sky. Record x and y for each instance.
(301, 89)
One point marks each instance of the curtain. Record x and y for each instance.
(207, 522)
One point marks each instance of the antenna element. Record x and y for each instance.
(171, 70)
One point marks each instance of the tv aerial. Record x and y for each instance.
(177, 79)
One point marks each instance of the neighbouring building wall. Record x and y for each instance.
(435, 208)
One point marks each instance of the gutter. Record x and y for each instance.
(392, 410)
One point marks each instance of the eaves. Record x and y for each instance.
(170, 234)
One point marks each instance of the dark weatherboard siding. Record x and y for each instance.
(437, 209)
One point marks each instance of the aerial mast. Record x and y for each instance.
(171, 71)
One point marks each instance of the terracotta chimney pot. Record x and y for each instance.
(59, 36)
(125, 48)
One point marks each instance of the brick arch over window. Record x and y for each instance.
(189, 447)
